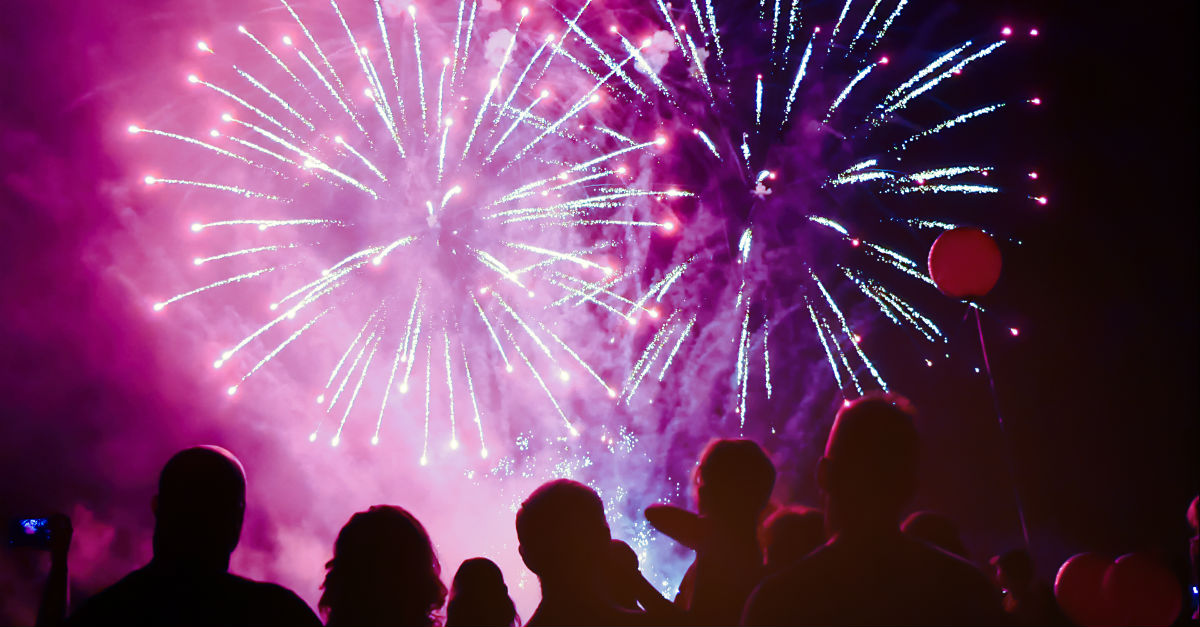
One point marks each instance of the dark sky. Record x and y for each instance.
(1098, 398)
(1095, 391)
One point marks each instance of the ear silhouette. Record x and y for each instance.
(525, 557)
(824, 470)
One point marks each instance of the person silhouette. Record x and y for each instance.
(622, 561)
(733, 483)
(790, 533)
(198, 515)
(564, 539)
(479, 596)
(869, 572)
(1026, 600)
(629, 589)
(384, 571)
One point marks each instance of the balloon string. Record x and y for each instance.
(1012, 474)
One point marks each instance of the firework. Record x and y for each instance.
(820, 127)
(434, 191)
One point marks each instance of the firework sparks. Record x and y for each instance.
(449, 222)
(837, 119)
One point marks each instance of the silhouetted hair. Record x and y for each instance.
(200, 505)
(935, 529)
(790, 533)
(561, 528)
(734, 479)
(873, 449)
(479, 596)
(384, 571)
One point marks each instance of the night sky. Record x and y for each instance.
(1098, 391)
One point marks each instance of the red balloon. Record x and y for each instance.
(964, 263)
(1142, 591)
(1079, 589)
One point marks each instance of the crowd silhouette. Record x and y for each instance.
(756, 563)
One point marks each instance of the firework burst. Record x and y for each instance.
(434, 192)
(830, 142)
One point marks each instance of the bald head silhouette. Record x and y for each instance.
(198, 514)
(869, 471)
(199, 508)
(562, 530)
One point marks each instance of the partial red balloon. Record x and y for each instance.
(964, 263)
(1079, 588)
(1142, 591)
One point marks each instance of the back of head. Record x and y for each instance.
(622, 575)
(479, 596)
(199, 508)
(384, 571)
(869, 471)
(1014, 570)
(935, 529)
(621, 556)
(562, 530)
(790, 533)
(734, 480)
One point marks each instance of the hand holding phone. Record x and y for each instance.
(51, 533)
(30, 532)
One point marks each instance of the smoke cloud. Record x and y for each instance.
(100, 389)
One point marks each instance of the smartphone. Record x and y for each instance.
(30, 532)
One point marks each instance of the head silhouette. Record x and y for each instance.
(621, 578)
(563, 534)
(734, 480)
(935, 529)
(384, 571)
(1013, 570)
(199, 508)
(790, 533)
(869, 471)
(479, 596)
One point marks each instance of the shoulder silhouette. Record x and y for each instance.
(790, 533)
(937, 530)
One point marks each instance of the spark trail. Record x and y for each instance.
(370, 162)
(821, 128)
